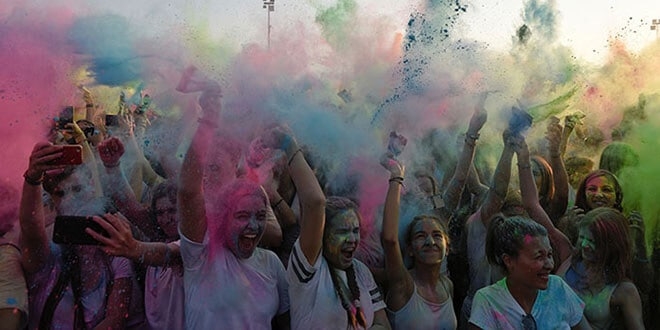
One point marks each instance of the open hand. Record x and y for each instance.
(120, 240)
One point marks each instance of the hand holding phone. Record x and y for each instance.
(71, 155)
(71, 230)
(117, 237)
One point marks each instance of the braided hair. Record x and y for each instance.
(334, 206)
(351, 304)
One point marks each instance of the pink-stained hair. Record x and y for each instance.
(221, 204)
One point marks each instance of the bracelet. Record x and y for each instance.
(470, 136)
(31, 181)
(111, 165)
(278, 203)
(397, 179)
(89, 105)
(636, 226)
(208, 122)
(293, 156)
(524, 166)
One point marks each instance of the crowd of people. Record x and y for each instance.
(175, 247)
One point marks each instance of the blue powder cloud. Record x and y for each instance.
(110, 44)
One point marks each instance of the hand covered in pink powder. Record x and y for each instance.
(110, 151)
(392, 165)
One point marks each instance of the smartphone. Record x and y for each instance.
(70, 229)
(111, 120)
(71, 155)
(65, 117)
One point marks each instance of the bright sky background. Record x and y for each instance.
(584, 25)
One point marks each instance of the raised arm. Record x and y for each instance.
(452, 194)
(190, 199)
(531, 203)
(312, 199)
(33, 238)
(559, 201)
(500, 186)
(118, 189)
(88, 156)
(400, 283)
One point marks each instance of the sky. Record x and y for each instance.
(586, 26)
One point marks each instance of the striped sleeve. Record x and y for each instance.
(298, 264)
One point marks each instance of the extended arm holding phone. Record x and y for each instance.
(120, 242)
(34, 240)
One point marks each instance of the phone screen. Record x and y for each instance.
(111, 120)
(71, 230)
(65, 117)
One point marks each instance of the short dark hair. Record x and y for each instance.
(506, 236)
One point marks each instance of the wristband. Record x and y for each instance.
(397, 179)
(278, 203)
(33, 182)
(523, 166)
(293, 156)
(471, 136)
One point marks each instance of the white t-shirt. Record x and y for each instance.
(481, 272)
(13, 290)
(231, 293)
(556, 307)
(314, 302)
(164, 297)
(41, 283)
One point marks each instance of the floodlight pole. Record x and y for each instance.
(269, 5)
